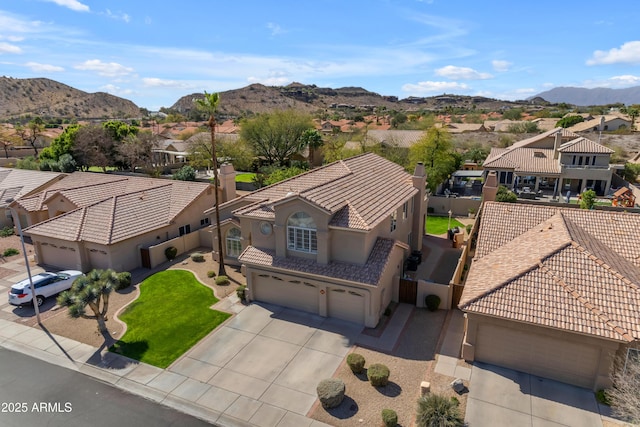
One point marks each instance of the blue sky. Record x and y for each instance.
(155, 52)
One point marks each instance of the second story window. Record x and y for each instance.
(234, 245)
(301, 233)
(405, 210)
(394, 221)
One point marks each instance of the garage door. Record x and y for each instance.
(537, 354)
(55, 256)
(98, 259)
(290, 293)
(345, 304)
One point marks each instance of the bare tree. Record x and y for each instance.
(93, 147)
(31, 133)
(136, 150)
(625, 395)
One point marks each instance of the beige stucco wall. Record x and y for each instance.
(607, 349)
(431, 288)
(59, 204)
(321, 218)
(349, 246)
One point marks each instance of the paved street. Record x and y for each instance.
(53, 396)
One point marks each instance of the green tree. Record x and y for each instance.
(587, 199)
(435, 410)
(238, 153)
(94, 146)
(118, 130)
(524, 127)
(28, 162)
(92, 290)
(312, 139)
(62, 144)
(567, 122)
(512, 114)
(435, 149)
(136, 150)
(209, 105)
(185, 173)
(274, 175)
(278, 135)
(631, 172)
(505, 195)
(633, 112)
(31, 133)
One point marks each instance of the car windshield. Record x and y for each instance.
(63, 276)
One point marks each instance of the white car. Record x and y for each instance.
(46, 284)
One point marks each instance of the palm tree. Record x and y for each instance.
(92, 290)
(209, 105)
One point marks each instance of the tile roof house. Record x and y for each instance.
(608, 122)
(558, 159)
(90, 220)
(329, 241)
(395, 138)
(553, 291)
(17, 183)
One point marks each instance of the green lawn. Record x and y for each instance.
(99, 169)
(438, 224)
(171, 315)
(245, 176)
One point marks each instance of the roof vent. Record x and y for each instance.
(538, 154)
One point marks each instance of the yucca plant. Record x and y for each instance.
(435, 410)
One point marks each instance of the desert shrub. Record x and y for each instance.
(356, 362)
(10, 251)
(7, 231)
(601, 397)
(378, 375)
(432, 302)
(211, 274)
(124, 280)
(222, 280)
(197, 258)
(331, 392)
(389, 418)
(241, 292)
(437, 410)
(170, 252)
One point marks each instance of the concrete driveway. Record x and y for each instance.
(265, 363)
(504, 397)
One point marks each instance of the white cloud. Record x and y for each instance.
(108, 69)
(156, 82)
(628, 53)
(432, 87)
(9, 48)
(12, 38)
(270, 81)
(461, 73)
(36, 66)
(275, 29)
(625, 80)
(118, 16)
(116, 90)
(500, 65)
(71, 4)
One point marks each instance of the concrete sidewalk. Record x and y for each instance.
(260, 368)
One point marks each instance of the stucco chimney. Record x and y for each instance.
(556, 144)
(490, 188)
(227, 179)
(419, 181)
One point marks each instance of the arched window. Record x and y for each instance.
(234, 245)
(301, 233)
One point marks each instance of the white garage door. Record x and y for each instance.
(55, 256)
(290, 293)
(345, 304)
(541, 355)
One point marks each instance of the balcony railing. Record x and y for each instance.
(586, 167)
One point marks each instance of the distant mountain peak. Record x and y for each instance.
(581, 96)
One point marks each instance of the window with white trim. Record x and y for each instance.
(301, 233)
(234, 243)
(394, 221)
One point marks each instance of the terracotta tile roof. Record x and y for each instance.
(566, 134)
(523, 160)
(576, 270)
(594, 124)
(370, 273)
(401, 138)
(15, 183)
(139, 208)
(370, 185)
(584, 145)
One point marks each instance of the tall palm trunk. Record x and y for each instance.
(212, 126)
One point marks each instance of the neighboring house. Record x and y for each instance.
(90, 220)
(462, 127)
(553, 291)
(395, 138)
(602, 124)
(559, 160)
(545, 124)
(331, 241)
(170, 152)
(17, 183)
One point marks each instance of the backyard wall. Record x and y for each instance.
(458, 206)
(183, 244)
(428, 288)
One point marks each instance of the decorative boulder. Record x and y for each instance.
(331, 392)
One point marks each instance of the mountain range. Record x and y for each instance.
(49, 98)
(597, 96)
